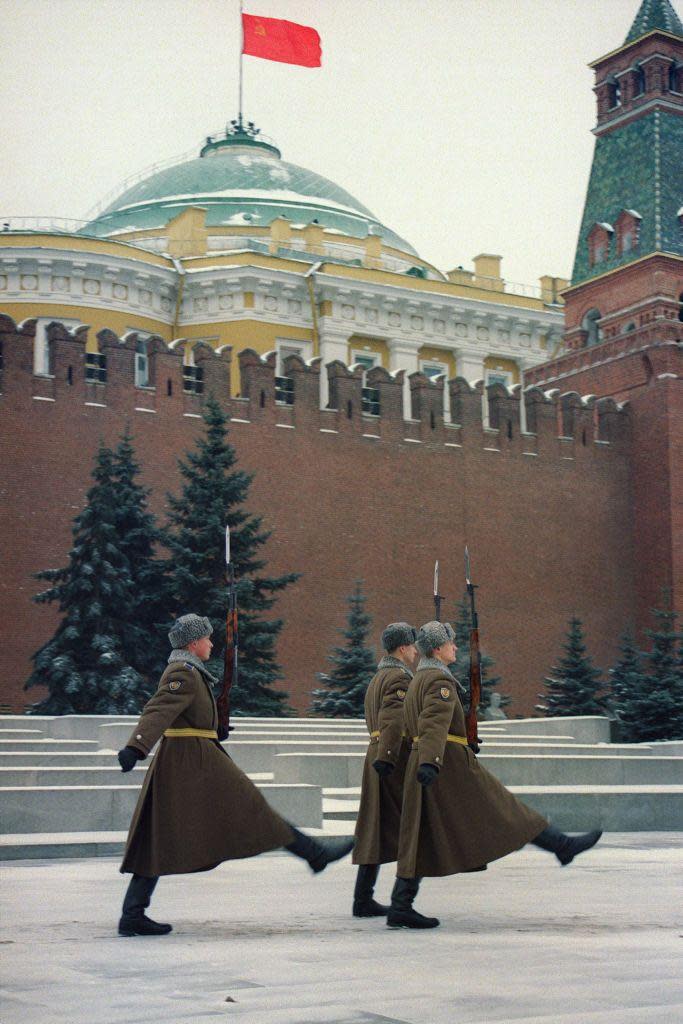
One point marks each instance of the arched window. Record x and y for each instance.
(639, 81)
(590, 324)
(141, 364)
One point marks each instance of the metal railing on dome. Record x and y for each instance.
(62, 224)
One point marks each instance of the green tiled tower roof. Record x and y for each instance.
(635, 167)
(655, 14)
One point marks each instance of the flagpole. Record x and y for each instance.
(241, 59)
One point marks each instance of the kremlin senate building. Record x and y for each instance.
(391, 412)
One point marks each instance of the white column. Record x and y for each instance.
(333, 345)
(469, 364)
(403, 356)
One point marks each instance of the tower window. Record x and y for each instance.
(591, 325)
(599, 240)
(627, 229)
(639, 82)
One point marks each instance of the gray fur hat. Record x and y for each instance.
(434, 634)
(398, 634)
(188, 628)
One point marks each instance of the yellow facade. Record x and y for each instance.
(505, 365)
(96, 319)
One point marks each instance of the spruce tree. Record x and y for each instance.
(84, 665)
(213, 495)
(574, 685)
(461, 666)
(628, 690)
(343, 692)
(651, 707)
(139, 537)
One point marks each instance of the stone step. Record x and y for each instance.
(49, 745)
(110, 807)
(579, 808)
(72, 759)
(113, 737)
(590, 769)
(56, 845)
(94, 775)
(20, 734)
(346, 769)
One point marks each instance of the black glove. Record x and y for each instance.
(128, 757)
(383, 768)
(475, 747)
(426, 774)
(223, 732)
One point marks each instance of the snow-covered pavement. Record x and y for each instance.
(265, 942)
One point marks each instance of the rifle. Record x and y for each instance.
(475, 664)
(231, 645)
(437, 596)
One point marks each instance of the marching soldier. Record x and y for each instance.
(379, 814)
(456, 816)
(196, 808)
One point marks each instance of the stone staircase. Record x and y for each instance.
(63, 795)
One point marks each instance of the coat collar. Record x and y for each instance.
(388, 661)
(429, 663)
(192, 659)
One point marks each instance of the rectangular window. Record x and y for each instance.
(41, 350)
(95, 368)
(371, 401)
(141, 369)
(284, 390)
(193, 379)
(431, 368)
(284, 347)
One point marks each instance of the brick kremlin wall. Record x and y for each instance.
(547, 513)
(648, 373)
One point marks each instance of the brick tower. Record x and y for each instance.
(624, 308)
(628, 271)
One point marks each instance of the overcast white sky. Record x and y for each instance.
(465, 125)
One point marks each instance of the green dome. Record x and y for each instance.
(241, 180)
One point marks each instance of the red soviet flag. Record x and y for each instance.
(284, 41)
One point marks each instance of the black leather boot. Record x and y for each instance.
(563, 846)
(318, 852)
(133, 919)
(363, 903)
(401, 913)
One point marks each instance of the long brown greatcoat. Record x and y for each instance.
(466, 817)
(196, 807)
(379, 815)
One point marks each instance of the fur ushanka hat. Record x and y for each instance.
(188, 628)
(432, 635)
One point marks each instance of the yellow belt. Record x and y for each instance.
(451, 739)
(208, 734)
(373, 734)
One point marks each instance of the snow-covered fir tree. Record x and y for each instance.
(461, 666)
(573, 687)
(145, 645)
(627, 689)
(84, 665)
(213, 494)
(647, 689)
(342, 694)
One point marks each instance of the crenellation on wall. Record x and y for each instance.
(549, 415)
(346, 396)
(504, 416)
(390, 385)
(427, 406)
(257, 377)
